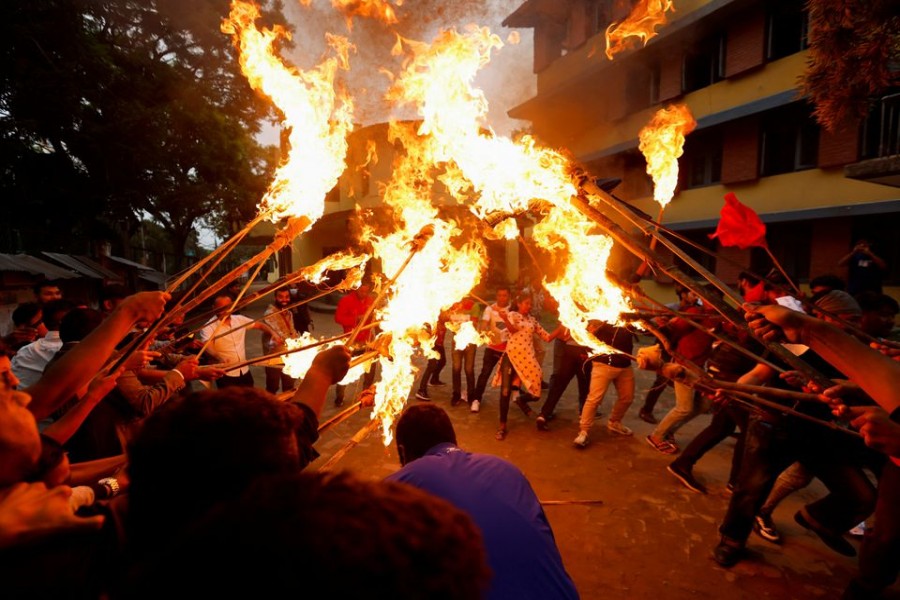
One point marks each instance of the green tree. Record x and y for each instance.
(112, 109)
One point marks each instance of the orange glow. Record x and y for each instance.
(506, 176)
(465, 334)
(371, 9)
(662, 142)
(316, 115)
(645, 17)
(338, 261)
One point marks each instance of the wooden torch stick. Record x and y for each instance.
(357, 438)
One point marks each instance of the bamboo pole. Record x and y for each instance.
(641, 250)
(340, 417)
(357, 438)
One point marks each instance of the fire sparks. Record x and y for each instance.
(316, 115)
(662, 142)
(645, 17)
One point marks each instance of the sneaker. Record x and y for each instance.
(437, 383)
(728, 553)
(664, 446)
(617, 427)
(729, 489)
(525, 408)
(455, 401)
(686, 477)
(834, 541)
(475, 406)
(859, 530)
(541, 423)
(581, 439)
(420, 395)
(648, 417)
(765, 528)
(465, 396)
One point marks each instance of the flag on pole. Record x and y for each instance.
(739, 225)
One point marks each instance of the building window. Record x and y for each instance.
(790, 141)
(787, 29)
(699, 247)
(881, 129)
(704, 64)
(701, 163)
(790, 243)
(642, 87)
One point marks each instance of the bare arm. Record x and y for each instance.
(875, 373)
(328, 368)
(65, 427)
(78, 366)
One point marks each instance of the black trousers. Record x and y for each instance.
(488, 362)
(879, 556)
(770, 447)
(726, 420)
(571, 364)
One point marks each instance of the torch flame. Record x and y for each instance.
(662, 142)
(316, 115)
(645, 17)
(372, 9)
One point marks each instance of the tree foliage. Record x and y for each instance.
(854, 56)
(111, 110)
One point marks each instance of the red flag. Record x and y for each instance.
(739, 225)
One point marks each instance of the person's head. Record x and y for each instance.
(838, 306)
(20, 442)
(502, 296)
(28, 314)
(879, 313)
(205, 448)
(686, 297)
(420, 428)
(282, 298)
(46, 291)
(221, 304)
(78, 323)
(291, 533)
(111, 296)
(523, 303)
(750, 286)
(54, 311)
(824, 284)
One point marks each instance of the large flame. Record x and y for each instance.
(371, 9)
(645, 17)
(662, 142)
(505, 175)
(338, 261)
(317, 117)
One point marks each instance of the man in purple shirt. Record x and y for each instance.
(520, 544)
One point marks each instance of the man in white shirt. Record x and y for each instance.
(29, 362)
(228, 333)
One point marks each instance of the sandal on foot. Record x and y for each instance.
(501, 434)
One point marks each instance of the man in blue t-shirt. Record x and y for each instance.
(521, 548)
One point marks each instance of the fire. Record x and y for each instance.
(435, 270)
(338, 261)
(298, 363)
(506, 175)
(645, 17)
(465, 333)
(507, 229)
(373, 9)
(316, 115)
(662, 142)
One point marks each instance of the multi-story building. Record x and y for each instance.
(735, 64)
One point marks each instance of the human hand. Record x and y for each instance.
(876, 427)
(775, 323)
(835, 395)
(144, 306)
(140, 359)
(795, 379)
(103, 383)
(30, 511)
(210, 373)
(188, 368)
(333, 362)
(888, 348)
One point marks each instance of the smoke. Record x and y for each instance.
(506, 81)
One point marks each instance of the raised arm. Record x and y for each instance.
(328, 368)
(84, 361)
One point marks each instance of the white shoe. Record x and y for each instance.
(617, 427)
(581, 439)
(464, 396)
(476, 406)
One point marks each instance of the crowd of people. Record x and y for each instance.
(161, 469)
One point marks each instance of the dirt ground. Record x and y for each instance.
(643, 534)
